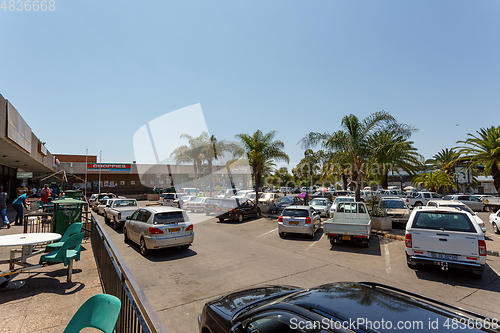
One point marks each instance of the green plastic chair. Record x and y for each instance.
(72, 229)
(63, 255)
(99, 311)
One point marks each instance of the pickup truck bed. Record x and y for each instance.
(350, 222)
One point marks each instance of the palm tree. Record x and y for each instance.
(352, 139)
(484, 149)
(194, 153)
(336, 166)
(261, 150)
(389, 152)
(434, 180)
(445, 160)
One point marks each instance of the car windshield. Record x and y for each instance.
(198, 200)
(392, 204)
(443, 221)
(344, 200)
(318, 202)
(295, 213)
(169, 217)
(351, 208)
(125, 203)
(186, 198)
(286, 199)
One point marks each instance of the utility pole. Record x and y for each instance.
(86, 153)
(100, 167)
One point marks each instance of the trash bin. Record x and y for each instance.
(74, 194)
(66, 211)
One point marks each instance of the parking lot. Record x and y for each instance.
(229, 256)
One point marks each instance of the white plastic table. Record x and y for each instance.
(26, 241)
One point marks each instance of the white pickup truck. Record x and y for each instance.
(491, 202)
(417, 199)
(118, 210)
(444, 237)
(350, 222)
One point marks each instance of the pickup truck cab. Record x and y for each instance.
(117, 211)
(417, 199)
(350, 222)
(444, 237)
(458, 205)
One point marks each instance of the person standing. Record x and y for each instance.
(45, 194)
(3, 207)
(18, 205)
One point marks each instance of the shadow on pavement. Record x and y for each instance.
(303, 237)
(355, 247)
(167, 254)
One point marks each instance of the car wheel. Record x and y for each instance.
(418, 204)
(485, 208)
(495, 228)
(106, 220)
(144, 250)
(366, 243)
(221, 219)
(125, 236)
(259, 214)
(332, 241)
(282, 234)
(240, 218)
(207, 213)
(115, 224)
(185, 247)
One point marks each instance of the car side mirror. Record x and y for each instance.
(127, 218)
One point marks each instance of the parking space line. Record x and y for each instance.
(267, 232)
(310, 246)
(385, 249)
(489, 234)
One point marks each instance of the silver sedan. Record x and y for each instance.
(158, 228)
(299, 220)
(321, 205)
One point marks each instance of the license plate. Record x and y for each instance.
(169, 200)
(210, 206)
(174, 229)
(293, 223)
(444, 256)
(346, 237)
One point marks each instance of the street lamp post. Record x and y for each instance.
(100, 165)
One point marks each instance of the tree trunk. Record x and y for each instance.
(257, 185)
(344, 181)
(385, 180)
(495, 172)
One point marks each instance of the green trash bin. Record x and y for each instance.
(74, 194)
(66, 212)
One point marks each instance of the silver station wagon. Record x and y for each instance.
(299, 220)
(158, 228)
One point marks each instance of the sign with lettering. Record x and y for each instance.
(108, 167)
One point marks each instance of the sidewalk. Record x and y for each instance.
(46, 302)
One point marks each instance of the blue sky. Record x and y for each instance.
(91, 73)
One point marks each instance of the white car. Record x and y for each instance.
(184, 199)
(102, 206)
(196, 204)
(495, 221)
(159, 227)
(321, 205)
(458, 205)
(266, 198)
(336, 202)
(445, 237)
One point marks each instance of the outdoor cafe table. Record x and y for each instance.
(26, 241)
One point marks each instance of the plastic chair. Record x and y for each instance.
(99, 311)
(65, 255)
(72, 229)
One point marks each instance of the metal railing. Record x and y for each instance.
(136, 314)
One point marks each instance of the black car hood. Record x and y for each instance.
(232, 303)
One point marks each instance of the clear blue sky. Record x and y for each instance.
(91, 73)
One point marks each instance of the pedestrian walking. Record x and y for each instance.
(45, 194)
(18, 205)
(3, 208)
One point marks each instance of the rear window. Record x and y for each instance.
(125, 203)
(228, 203)
(213, 201)
(318, 202)
(169, 196)
(295, 213)
(351, 208)
(443, 221)
(168, 217)
(392, 204)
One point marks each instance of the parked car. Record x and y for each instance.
(288, 201)
(417, 199)
(102, 206)
(474, 203)
(266, 198)
(321, 205)
(299, 220)
(236, 209)
(334, 307)
(159, 227)
(491, 202)
(395, 208)
(322, 194)
(211, 205)
(337, 201)
(495, 221)
(100, 198)
(184, 199)
(196, 204)
(445, 237)
(170, 199)
(117, 211)
(351, 222)
(93, 198)
(458, 205)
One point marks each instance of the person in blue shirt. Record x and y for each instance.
(18, 204)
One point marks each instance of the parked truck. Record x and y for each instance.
(351, 222)
(117, 210)
(418, 199)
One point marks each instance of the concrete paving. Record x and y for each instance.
(46, 302)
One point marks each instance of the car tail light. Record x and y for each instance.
(190, 228)
(205, 205)
(308, 220)
(233, 210)
(119, 216)
(482, 247)
(407, 200)
(408, 240)
(280, 219)
(155, 231)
